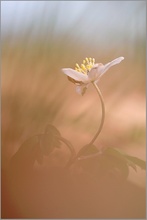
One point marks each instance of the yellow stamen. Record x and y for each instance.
(87, 60)
(85, 66)
(77, 65)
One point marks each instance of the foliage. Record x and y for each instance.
(95, 162)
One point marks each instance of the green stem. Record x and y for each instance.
(103, 114)
(84, 149)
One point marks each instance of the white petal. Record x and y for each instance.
(76, 75)
(103, 68)
(81, 89)
(94, 73)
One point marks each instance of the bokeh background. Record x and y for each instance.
(39, 38)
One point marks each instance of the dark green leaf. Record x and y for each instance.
(105, 164)
(88, 150)
(46, 144)
(131, 164)
(137, 161)
(114, 152)
(132, 161)
(52, 130)
(49, 140)
(118, 164)
(26, 155)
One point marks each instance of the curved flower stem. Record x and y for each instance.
(101, 123)
(99, 129)
(103, 114)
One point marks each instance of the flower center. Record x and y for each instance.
(86, 66)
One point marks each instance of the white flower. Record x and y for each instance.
(88, 72)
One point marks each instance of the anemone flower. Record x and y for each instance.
(88, 72)
(82, 76)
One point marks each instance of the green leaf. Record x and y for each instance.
(88, 150)
(117, 163)
(107, 163)
(26, 155)
(137, 161)
(112, 161)
(131, 164)
(46, 144)
(34, 148)
(49, 140)
(52, 130)
(114, 152)
(131, 161)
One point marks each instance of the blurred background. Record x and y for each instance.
(39, 38)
